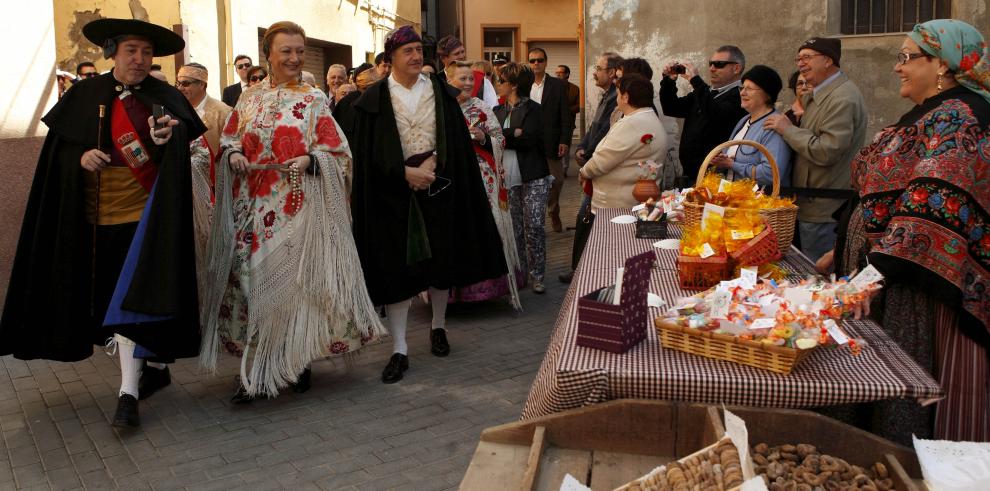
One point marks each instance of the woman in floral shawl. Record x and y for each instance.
(923, 220)
(285, 278)
(488, 145)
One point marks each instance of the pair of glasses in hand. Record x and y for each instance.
(438, 185)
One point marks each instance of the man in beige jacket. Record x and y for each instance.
(832, 130)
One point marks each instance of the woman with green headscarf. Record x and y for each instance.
(923, 220)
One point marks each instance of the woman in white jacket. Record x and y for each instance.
(637, 137)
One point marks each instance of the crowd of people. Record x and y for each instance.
(310, 220)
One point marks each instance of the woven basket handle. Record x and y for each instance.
(715, 151)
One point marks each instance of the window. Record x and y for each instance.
(879, 16)
(500, 42)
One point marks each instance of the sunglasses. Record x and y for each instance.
(185, 83)
(257, 78)
(88, 75)
(438, 185)
(721, 64)
(243, 66)
(537, 60)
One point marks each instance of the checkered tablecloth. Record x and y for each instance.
(572, 376)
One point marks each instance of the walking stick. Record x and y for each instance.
(96, 219)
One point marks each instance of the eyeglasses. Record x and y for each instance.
(806, 57)
(537, 60)
(243, 66)
(88, 74)
(257, 78)
(600, 68)
(442, 183)
(721, 64)
(185, 83)
(903, 58)
(743, 88)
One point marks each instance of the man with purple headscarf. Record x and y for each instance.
(421, 215)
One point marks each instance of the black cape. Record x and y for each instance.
(464, 242)
(49, 293)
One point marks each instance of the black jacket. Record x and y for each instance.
(601, 124)
(463, 241)
(558, 120)
(529, 147)
(708, 120)
(50, 285)
(231, 93)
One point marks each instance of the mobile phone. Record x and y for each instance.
(158, 112)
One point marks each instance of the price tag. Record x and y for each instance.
(866, 277)
(710, 208)
(720, 305)
(723, 184)
(763, 323)
(741, 234)
(735, 429)
(707, 251)
(835, 332)
(797, 296)
(748, 276)
(667, 206)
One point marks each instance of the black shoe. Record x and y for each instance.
(127, 412)
(304, 382)
(396, 365)
(566, 277)
(438, 342)
(241, 396)
(153, 379)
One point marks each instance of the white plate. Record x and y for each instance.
(672, 244)
(624, 219)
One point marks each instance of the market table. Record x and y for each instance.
(572, 376)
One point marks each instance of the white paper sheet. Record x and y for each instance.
(669, 244)
(954, 466)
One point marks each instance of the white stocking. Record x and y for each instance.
(130, 367)
(396, 316)
(439, 300)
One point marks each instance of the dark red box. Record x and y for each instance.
(616, 328)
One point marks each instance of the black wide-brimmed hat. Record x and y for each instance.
(165, 42)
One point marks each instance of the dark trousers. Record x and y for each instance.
(582, 230)
(112, 243)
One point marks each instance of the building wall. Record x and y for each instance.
(692, 29)
(545, 20)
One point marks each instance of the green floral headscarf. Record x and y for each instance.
(963, 49)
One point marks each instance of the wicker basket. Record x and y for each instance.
(716, 346)
(781, 219)
(758, 251)
(696, 273)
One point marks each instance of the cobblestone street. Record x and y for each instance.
(349, 431)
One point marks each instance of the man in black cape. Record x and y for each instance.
(106, 247)
(421, 214)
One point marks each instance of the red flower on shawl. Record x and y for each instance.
(647, 139)
(270, 218)
(952, 204)
(231, 127)
(287, 142)
(969, 61)
(919, 195)
(339, 347)
(261, 181)
(326, 132)
(251, 146)
(985, 242)
(880, 210)
(482, 117)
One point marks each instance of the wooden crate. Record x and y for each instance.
(610, 444)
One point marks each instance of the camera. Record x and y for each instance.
(678, 69)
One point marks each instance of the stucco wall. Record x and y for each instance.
(536, 19)
(767, 34)
(28, 88)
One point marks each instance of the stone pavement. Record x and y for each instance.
(349, 431)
